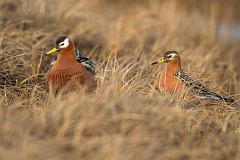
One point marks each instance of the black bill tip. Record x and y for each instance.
(154, 62)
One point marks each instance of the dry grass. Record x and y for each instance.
(126, 118)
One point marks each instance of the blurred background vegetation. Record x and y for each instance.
(127, 118)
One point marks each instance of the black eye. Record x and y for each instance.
(61, 44)
(169, 56)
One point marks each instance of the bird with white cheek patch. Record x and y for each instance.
(173, 79)
(67, 72)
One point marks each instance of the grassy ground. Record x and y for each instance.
(127, 118)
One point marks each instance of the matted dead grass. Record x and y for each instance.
(127, 117)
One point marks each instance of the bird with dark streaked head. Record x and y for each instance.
(66, 72)
(173, 79)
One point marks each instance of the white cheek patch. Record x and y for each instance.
(173, 55)
(64, 44)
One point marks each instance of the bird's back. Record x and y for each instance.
(197, 88)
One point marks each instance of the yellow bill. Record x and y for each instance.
(159, 61)
(52, 51)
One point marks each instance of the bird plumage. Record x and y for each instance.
(88, 64)
(173, 78)
(198, 88)
(66, 72)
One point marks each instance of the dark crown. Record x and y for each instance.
(60, 39)
(169, 52)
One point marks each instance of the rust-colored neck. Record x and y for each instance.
(167, 81)
(173, 66)
(66, 56)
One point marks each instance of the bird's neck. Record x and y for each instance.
(172, 67)
(167, 81)
(66, 58)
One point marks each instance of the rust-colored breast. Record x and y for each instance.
(67, 73)
(70, 78)
(167, 81)
(57, 79)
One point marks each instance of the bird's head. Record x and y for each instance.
(168, 56)
(62, 43)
